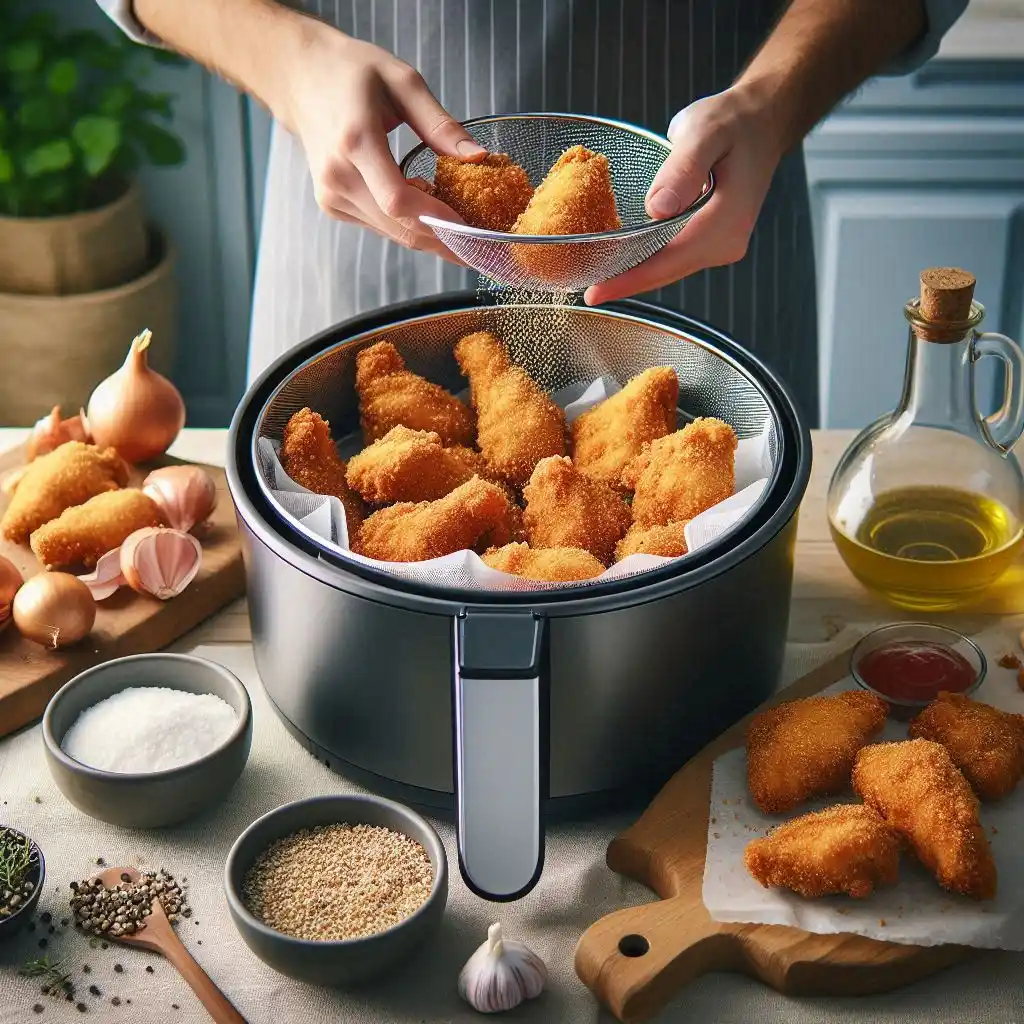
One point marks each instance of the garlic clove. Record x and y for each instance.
(186, 495)
(160, 562)
(106, 578)
(51, 432)
(501, 974)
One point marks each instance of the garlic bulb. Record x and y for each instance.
(51, 432)
(501, 974)
(186, 495)
(160, 562)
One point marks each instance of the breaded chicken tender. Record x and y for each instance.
(565, 509)
(922, 794)
(489, 193)
(846, 849)
(474, 516)
(806, 748)
(550, 565)
(391, 396)
(517, 423)
(309, 456)
(679, 476)
(67, 476)
(986, 744)
(407, 465)
(82, 534)
(606, 438)
(667, 541)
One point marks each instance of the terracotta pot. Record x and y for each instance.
(55, 349)
(82, 252)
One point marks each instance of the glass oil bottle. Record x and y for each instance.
(926, 506)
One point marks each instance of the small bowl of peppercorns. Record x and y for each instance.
(22, 873)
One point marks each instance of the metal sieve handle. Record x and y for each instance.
(501, 750)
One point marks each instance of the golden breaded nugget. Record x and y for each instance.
(551, 565)
(489, 193)
(667, 541)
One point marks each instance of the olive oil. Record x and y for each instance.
(930, 548)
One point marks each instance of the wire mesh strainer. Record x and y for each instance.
(584, 344)
(563, 263)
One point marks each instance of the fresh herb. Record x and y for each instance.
(16, 857)
(56, 981)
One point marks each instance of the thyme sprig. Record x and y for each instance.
(56, 980)
(16, 857)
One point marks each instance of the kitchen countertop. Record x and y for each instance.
(829, 610)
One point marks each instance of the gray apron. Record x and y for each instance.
(640, 61)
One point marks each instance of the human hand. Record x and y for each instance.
(343, 97)
(731, 134)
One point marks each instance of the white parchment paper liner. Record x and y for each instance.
(325, 516)
(916, 911)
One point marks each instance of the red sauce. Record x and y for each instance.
(916, 670)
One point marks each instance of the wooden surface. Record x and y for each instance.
(159, 937)
(126, 623)
(665, 850)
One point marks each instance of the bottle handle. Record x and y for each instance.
(1004, 427)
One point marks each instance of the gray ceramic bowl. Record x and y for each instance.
(351, 961)
(153, 799)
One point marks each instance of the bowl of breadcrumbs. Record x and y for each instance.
(335, 890)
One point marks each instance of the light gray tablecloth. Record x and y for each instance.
(576, 889)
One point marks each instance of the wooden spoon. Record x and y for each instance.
(160, 937)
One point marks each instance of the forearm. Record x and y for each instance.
(820, 52)
(250, 43)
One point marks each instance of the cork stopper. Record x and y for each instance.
(946, 294)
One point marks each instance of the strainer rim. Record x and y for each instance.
(629, 231)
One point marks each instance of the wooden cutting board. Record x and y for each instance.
(635, 960)
(126, 623)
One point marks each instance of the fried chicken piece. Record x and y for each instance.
(489, 193)
(551, 565)
(565, 509)
(390, 395)
(922, 794)
(517, 423)
(846, 849)
(467, 518)
(679, 476)
(806, 748)
(606, 438)
(986, 744)
(67, 476)
(310, 458)
(82, 534)
(667, 541)
(407, 465)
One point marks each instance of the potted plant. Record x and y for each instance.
(79, 267)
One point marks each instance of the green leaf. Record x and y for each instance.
(98, 138)
(116, 98)
(39, 114)
(162, 147)
(51, 156)
(62, 78)
(6, 166)
(24, 56)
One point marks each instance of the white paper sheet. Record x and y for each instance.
(325, 517)
(916, 910)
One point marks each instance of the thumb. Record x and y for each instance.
(697, 146)
(435, 126)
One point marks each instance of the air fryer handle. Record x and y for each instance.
(500, 702)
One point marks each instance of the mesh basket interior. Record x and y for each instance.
(558, 345)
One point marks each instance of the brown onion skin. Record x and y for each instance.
(54, 609)
(136, 411)
(10, 583)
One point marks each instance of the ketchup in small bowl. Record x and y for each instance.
(910, 663)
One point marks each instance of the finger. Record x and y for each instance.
(697, 145)
(432, 123)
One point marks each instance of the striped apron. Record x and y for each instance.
(639, 61)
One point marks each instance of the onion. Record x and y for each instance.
(136, 410)
(10, 582)
(186, 495)
(54, 609)
(160, 562)
(51, 432)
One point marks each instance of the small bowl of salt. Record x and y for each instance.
(148, 740)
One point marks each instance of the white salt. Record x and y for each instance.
(149, 729)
